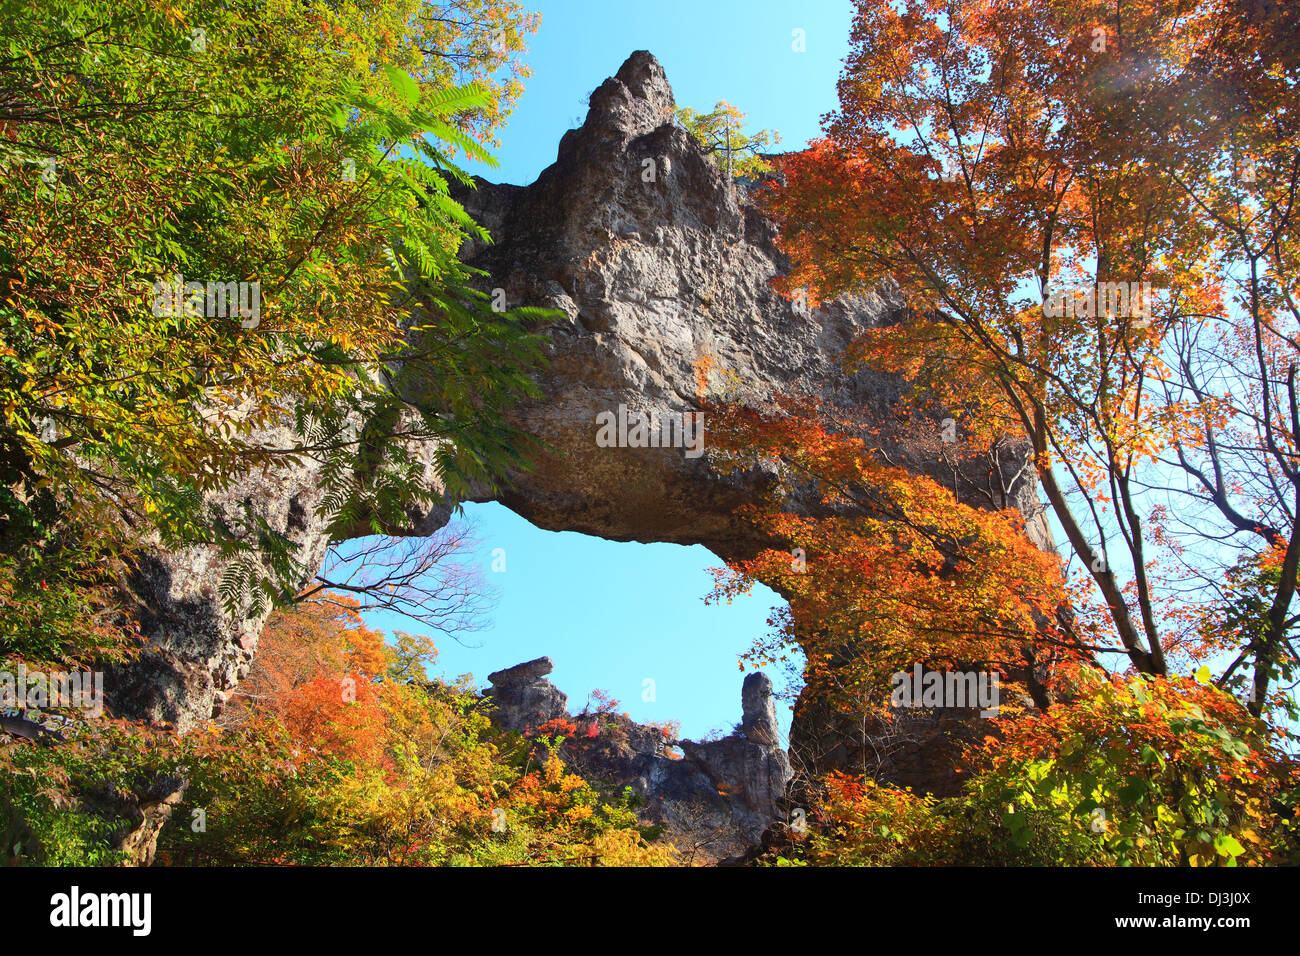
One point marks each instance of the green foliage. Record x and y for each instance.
(57, 599)
(306, 147)
(1157, 772)
(1154, 773)
(721, 133)
(59, 806)
(1242, 617)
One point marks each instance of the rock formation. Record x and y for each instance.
(655, 261)
(714, 798)
(524, 698)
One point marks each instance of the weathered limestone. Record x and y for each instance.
(524, 698)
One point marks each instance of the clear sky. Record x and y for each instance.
(614, 615)
(611, 615)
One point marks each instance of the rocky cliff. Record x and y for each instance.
(713, 798)
(654, 261)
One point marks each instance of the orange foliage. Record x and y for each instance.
(987, 160)
(315, 672)
(915, 575)
(337, 715)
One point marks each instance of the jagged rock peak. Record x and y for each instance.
(635, 100)
(758, 707)
(523, 698)
(720, 793)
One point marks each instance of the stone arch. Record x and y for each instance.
(649, 278)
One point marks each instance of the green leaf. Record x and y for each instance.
(1226, 845)
(1132, 791)
(403, 84)
(1085, 806)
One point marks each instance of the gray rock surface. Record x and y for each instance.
(713, 798)
(758, 707)
(524, 698)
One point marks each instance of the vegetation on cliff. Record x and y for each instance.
(1087, 211)
(232, 219)
(337, 751)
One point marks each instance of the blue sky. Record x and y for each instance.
(614, 615)
(611, 615)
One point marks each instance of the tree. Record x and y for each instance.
(1160, 772)
(1054, 191)
(427, 579)
(720, 132)
(319, 638)
(897, 570)
(341, 749)
(292, 162)
(1157, 772)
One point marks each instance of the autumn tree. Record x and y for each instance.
(895, 570)
(340, 747)
(229, 245)
(1156, 773)
(1067, 201)
(1049, 200)
(721, 133)
(320, 638)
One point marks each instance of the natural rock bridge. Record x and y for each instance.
(652, 271)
